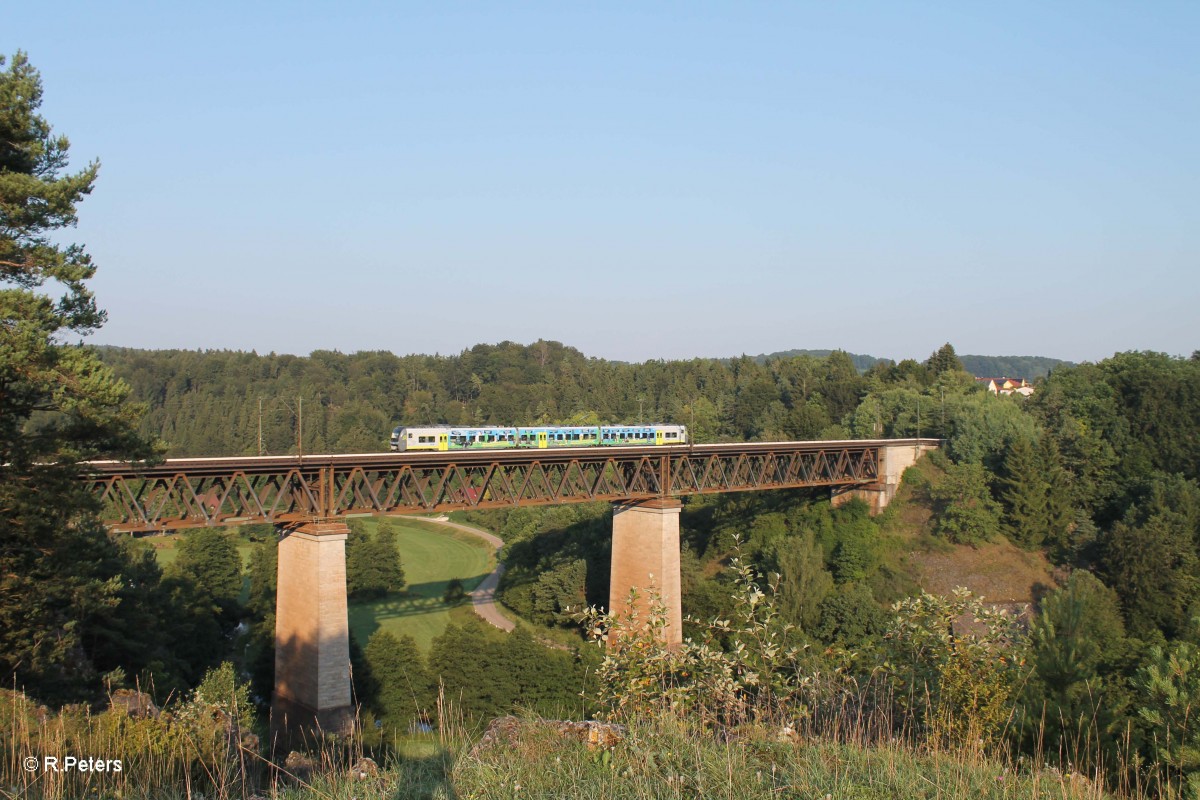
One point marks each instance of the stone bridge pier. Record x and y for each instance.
(645, 562)
(312, 632)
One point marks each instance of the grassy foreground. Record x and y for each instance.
(183, 756)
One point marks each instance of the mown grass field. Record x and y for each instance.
(432, 556)
(166, 549)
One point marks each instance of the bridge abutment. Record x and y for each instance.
(312, 632)
(645, 560)
(893, 460)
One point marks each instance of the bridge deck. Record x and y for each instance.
(189, 492)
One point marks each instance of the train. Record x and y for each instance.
(405, 439)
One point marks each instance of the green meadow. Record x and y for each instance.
(432, 556)
(166, 549)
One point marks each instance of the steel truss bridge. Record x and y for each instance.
(290, 490)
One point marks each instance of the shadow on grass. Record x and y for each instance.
(428, 777)
(420, 598)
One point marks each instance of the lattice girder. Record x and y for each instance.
(196, 492)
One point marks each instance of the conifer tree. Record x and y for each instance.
(1060, 510)
(804, 582)
(1079, 654)
(405, 689)
(373, 567)
(387, 551)
(1025, 493)
(209, 558)
(62, 581)
(944, 360)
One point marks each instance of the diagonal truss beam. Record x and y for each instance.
(183, 493)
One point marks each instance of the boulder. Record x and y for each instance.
(138, 705)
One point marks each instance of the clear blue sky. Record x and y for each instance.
(638, 180)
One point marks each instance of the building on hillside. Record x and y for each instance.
(1006, 385)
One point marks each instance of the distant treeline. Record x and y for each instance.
(1027, 367)
(237, 403)
(218, 402)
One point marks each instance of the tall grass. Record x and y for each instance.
(752, 717)
(849, 747)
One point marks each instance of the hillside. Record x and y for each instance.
(1027, 367)
(997, 570)
(861, 362)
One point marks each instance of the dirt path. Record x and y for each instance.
(483, 599)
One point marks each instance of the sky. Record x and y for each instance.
(636, 180)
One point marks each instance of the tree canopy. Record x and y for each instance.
(67, 593)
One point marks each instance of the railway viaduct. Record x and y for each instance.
(308, 498)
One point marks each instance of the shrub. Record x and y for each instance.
(955, 664)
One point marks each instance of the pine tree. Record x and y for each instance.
(209, 558)
(1025, 494)
(461, 660)
(1079, 650)
(387, 551)
(1168, 688)
(944, 360)
(373, 567)
(61, 580)
(405, 689)
(1060, 510)
(263, 572)
(804, 582)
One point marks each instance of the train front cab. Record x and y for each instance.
(405, 439)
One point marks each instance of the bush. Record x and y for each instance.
(955, 664)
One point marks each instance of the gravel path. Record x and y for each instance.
(483, 599)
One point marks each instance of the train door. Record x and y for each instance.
(658, 436)
(542, 439)
(443, 441)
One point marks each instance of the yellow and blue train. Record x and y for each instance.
(493, 438)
